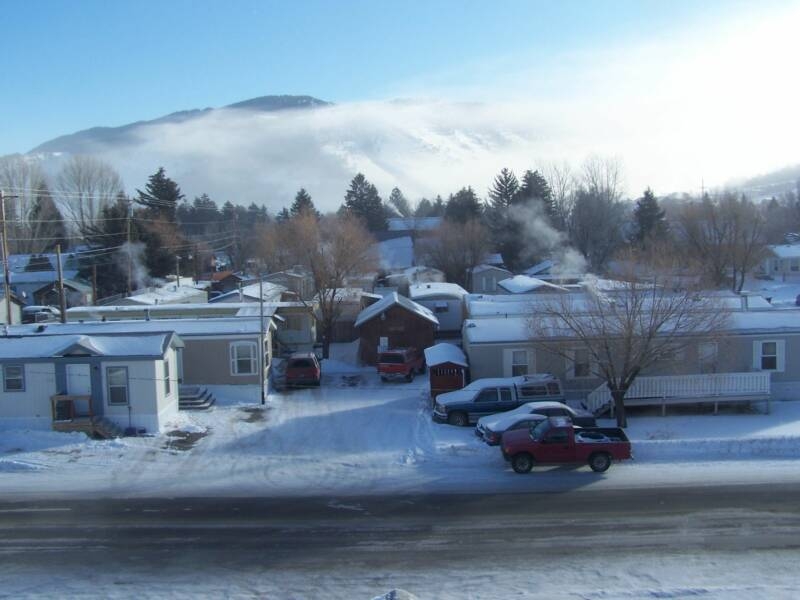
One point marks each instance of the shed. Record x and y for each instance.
(394, 321)
(447, 367)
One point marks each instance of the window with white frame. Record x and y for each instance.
(14, 378)
(768, 356)
(519, 362)
(244, 358)
(581, 363)
(295, 322)
(117, 384)
(707, 356)
(167, 384)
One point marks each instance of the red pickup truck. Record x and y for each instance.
(557, 441)
(400, 363)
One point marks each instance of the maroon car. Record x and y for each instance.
(556, 441)
(303, 370)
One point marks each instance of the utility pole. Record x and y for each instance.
(61, 298)
(6, 264)
(130, 251)
(178, 271)
(262, 352)
(94, 284)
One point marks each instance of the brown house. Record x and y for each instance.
(394, 322)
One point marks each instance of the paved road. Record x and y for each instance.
(380, 534)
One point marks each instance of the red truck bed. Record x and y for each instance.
(556, 441)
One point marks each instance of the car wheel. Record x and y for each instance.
(422, 369)
(522, 462)
(459, 419)
(600, 461)
(410, 375)
(384, 379)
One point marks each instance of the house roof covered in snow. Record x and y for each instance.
(538, 269)
(522, 284)
(271, 292)
(131, 345)
(394, 299)
(396, 253)
(175, 311)
(420, 291)
(786, 250)
(183, 327)
(485, 267)
(445, 353)
(414, 223)
(166, 294)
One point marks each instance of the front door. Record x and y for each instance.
(79, 380)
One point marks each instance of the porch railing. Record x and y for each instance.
(684, 389)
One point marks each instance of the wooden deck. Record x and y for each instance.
(713, 388)
(82, 424)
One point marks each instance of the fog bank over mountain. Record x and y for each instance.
(423, 147)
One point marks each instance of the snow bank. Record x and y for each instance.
(33, 440)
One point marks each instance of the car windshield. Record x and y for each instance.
(269, 269)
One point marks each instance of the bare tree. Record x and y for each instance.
(602, 176)
(563, 183)
(725, 235)
(456, 249)
(332, 249)
(86, 185)
(629, 330)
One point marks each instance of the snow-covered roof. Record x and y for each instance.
(390, 300)
(271, 292)
(138, 344)
(43, 277)
(493, 259)
(484, 267)
(183, 327)
(414, 223)
(166, 294)
(539, 268)
(786, 250)
(396, 253)
(522, 284)
(191, 311)
(445, 353)
(420, 291)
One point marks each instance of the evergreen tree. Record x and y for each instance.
(362, 200)
(437, 208)
(463, 206)
(161, 195)
(649, 217)
(303, 203)
(424, 208)
(283, 215)
(535, 189)
(504, 190)
(399, 202)
(50, 224)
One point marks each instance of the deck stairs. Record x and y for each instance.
(193, 397)
(713, 388)
(104, 428)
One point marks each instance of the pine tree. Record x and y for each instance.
(362, 200)
(535, 189)
(399, 202)
(50, 224)
(649, 217)
(161, 195)
(504, 190)
(463, 206)
(303, 203)
(283, 215)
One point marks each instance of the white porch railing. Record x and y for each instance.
(684, 389)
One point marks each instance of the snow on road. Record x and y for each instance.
(355, 435)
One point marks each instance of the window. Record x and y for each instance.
(117, 381)
(533, 390)
(167, 388)
(244, 359)
(581, 366)
(14, 378)
(519, 362)
(505, 395)
(768, 356)
(557, 437)
(707, 357)
(441, 307)
(295, 322)
(487, 395)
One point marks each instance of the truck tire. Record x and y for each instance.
(458, 418)
(384, 379)
(600, 461)
(410, 375)
(522, 462)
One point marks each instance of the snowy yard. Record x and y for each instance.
(356, 435)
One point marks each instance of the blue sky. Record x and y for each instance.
(69, 65)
